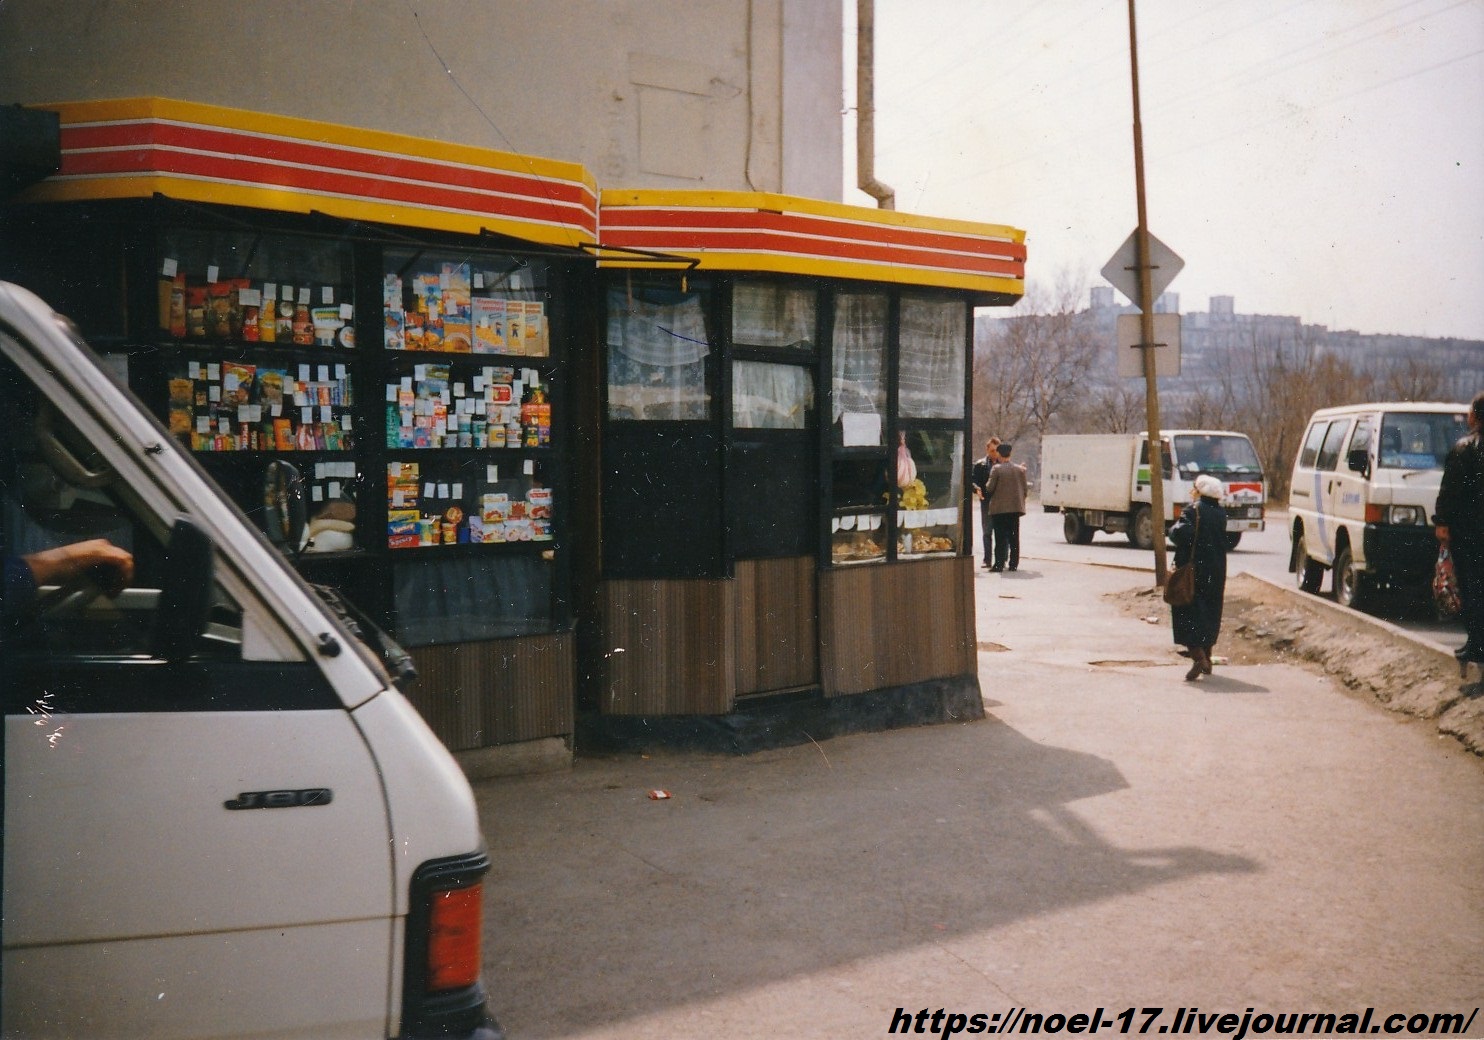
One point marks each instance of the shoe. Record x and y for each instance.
(1205, 660)
(997, 569)
(1194, 673)
(1011, 568)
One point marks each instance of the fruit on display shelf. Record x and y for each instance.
(914, 495)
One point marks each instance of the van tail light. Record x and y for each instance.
(442, 994)
(453, 937)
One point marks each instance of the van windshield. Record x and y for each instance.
(1418, 440)
(1223, 454)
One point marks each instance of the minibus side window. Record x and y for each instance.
(1329, 454)
(1310, 454)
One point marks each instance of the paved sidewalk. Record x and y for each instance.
(1108, 836)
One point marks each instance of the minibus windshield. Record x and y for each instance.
(1418, 440)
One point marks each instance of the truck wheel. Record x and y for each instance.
(1233, 539)
(1306, 572)
(1351, 587)
(1074, 529)
(1141, 528)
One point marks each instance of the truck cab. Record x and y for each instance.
(221, 816)
(1103, 482)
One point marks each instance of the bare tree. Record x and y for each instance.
(1032, 369)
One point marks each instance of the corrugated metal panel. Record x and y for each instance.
(670, 647)
(777, 624)
(893, 625)
(497, 692)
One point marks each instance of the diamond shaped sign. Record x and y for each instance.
(1122, 270)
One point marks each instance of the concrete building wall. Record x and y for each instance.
(729, 95)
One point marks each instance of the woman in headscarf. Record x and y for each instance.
(1200, 534)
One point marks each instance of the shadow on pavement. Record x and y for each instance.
(605, 904)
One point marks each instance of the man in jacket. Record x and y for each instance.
(1005, 491)
(979, 477)
(1459, 520)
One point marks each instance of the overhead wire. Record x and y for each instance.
(1245, 76)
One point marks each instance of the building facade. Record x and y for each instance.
(606, 408)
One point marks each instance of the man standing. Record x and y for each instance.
(1459, 520)
(979, 477)
(1005, 491)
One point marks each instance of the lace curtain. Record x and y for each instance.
(657, 348)
(859, 373)
(931, 384)
(771, 397)
(773, 316)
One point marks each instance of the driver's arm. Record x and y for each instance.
(112, 567)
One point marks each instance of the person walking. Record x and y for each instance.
(979, 477)
(1200, 535)
(1005, 491)
(1458, 520)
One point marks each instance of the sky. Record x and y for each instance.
(1317, 158)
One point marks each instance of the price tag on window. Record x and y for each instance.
(169, 267)
(213, 273)
(530, 467)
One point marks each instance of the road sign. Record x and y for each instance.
(1123, 269)
(1166, 345)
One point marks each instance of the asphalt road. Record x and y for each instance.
(1264, 554)
(1108, 836)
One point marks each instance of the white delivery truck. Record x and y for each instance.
(222, 819)
(1365, 483)
(1100, 481)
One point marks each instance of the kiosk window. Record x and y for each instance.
(657, 349)
(932, 358)
(859, 376)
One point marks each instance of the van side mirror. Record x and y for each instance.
(186, 582)
(1359, 460)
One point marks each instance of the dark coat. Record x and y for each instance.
(1460, 505)
(1199, 623)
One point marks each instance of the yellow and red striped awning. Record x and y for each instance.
(755, 231)
(139, 147)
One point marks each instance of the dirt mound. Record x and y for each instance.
(1264, 623)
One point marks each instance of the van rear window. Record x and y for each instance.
(1418, 440)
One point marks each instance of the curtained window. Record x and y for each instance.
(657, 349)
(931, 384)
(858, 378)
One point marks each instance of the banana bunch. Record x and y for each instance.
(914, 495)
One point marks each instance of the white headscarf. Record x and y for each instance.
(1208, 486)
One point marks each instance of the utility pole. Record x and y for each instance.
(1146, 327)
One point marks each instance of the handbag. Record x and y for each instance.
(1445, 584)
(1180, 586)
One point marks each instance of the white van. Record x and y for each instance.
(1364, 486)
(221, 816)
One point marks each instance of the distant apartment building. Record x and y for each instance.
(1210, 339)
